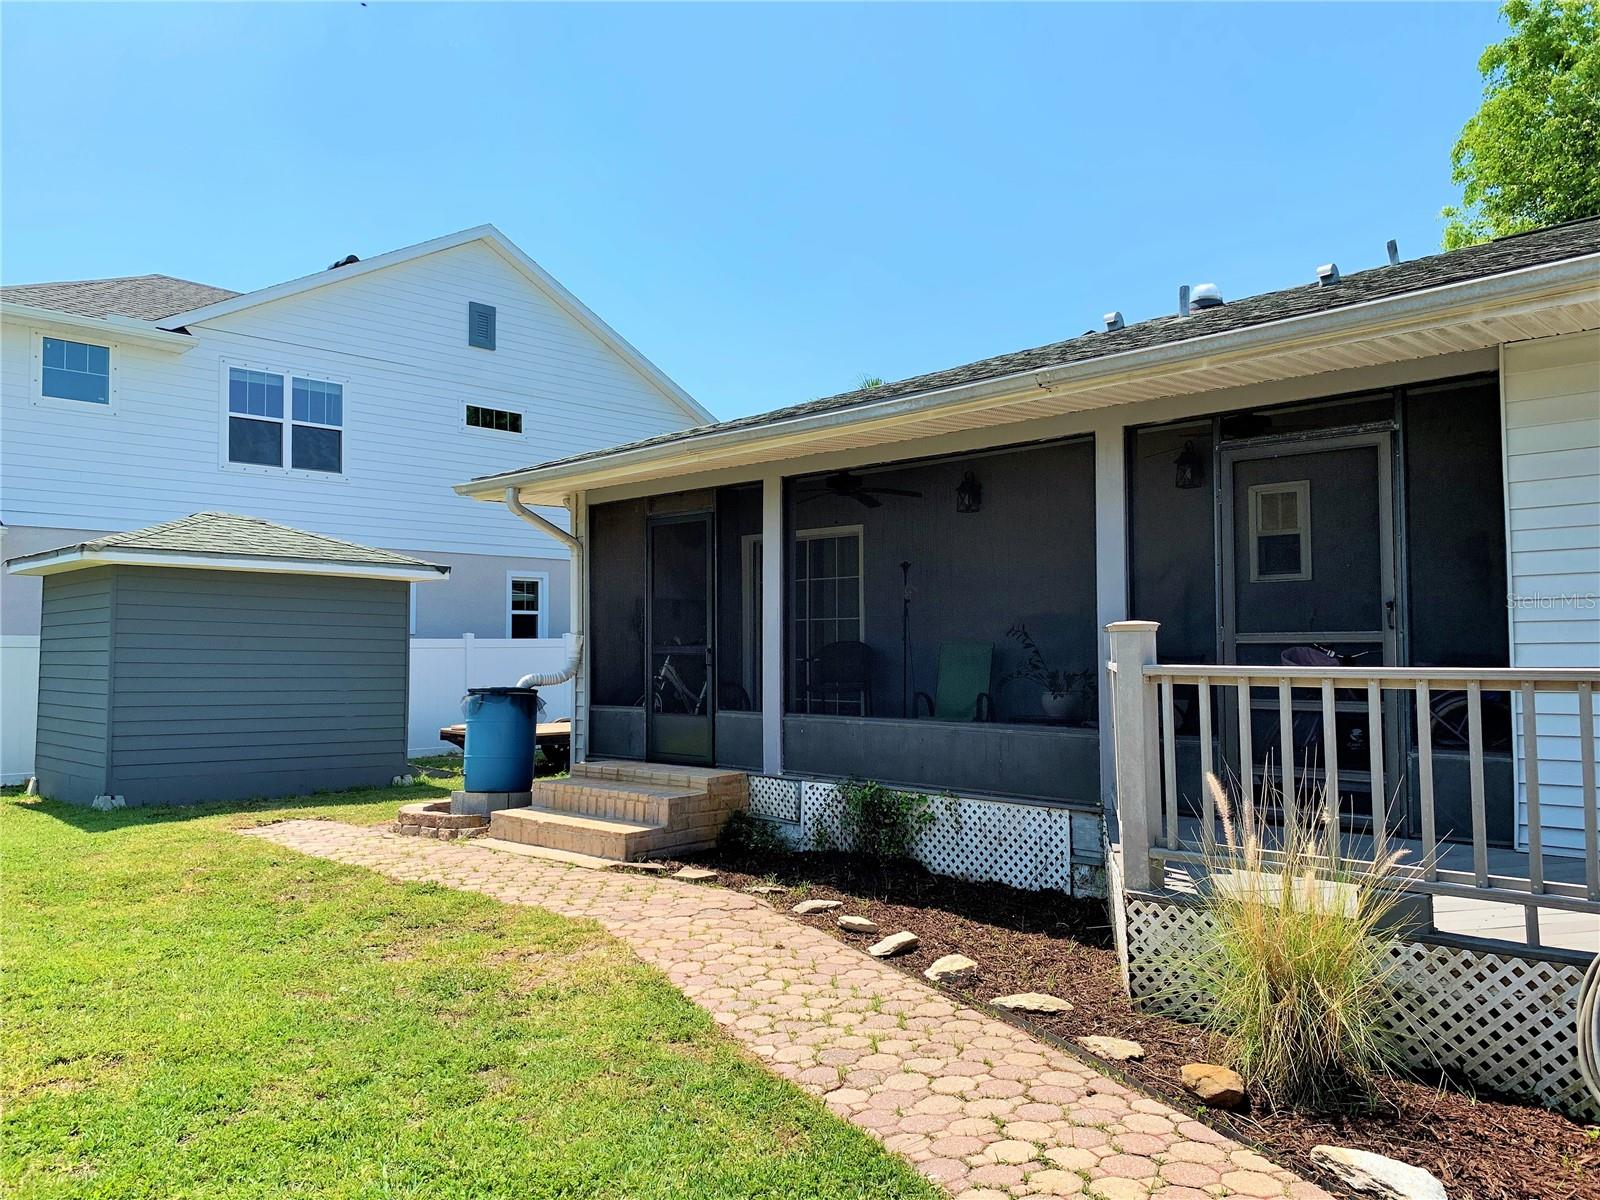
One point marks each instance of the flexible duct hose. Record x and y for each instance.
(1589, 1028)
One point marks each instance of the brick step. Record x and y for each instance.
(647, 803)
(600, 837)
(669, 775)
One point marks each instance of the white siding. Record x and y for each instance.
(397, 340)
(1551, 393)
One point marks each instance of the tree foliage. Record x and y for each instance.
(1531, 154)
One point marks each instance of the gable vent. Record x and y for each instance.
(480, 325)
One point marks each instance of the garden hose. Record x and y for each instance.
(1589, 1028)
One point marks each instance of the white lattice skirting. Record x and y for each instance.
(1505, 1021)
(1028, 846)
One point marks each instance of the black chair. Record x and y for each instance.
(842, 670)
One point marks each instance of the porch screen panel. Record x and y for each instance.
(740, 561)
(616, 603)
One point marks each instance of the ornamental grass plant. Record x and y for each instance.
(1297, 958)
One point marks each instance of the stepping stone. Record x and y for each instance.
(816, 906)
(895, 943)
(767, 889)
(852, 924)
(952, 968)
(695, 875)
(1112, 1049)
(1375, 1175)
(1033, 1002)
(1220, 1087)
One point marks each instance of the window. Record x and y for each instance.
(499, 419)
(525, 605)
(480, 325)
(827, 609)
(1280, 531)
(258, 428)
(76, 371)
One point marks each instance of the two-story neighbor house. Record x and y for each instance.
(345, 402)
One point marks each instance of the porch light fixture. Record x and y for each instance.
(1191, 468)
(969, 494)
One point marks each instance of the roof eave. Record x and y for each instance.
(78, 558)
(114, 328)
(1351, 321)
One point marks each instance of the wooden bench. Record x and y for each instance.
(554, 738)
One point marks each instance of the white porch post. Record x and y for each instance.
(1133, 736)
(772, 573)
(1110, 572)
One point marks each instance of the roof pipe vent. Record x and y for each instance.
(1113, 321)
(1327, 274)
(1183, 300)
(1206, 295)
(1394, 252)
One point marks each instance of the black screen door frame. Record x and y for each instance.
(1389, 639)
(678, 737)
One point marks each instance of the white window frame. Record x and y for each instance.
(40, 400)
(286, 422)
(543, 580)
(499, 435)
(1301, 489)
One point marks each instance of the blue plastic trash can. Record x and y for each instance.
(502, 729)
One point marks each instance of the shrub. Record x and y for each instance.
(750, 836)
(879, 823)
(1297, 962)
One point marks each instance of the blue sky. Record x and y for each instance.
(769, 201)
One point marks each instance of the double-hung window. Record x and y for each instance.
(305, 435)
(525, 605)
(78, 371)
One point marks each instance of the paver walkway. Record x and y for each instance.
(975, 1103)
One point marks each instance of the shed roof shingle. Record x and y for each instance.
(1556, 243)
(228, 535)
(143, 297)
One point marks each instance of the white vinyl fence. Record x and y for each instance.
(442, 669)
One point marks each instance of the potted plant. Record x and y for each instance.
(1063, 694)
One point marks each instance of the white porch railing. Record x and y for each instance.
(1155, 833)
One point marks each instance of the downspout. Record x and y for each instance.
(573, 543)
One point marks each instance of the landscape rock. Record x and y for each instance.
(1375, 1175)
(1112, 1049)
(1220, 1087)
(1033, 1002)
(895, 943)
(952, 968)
(816, 906)
(854, 924)
(695, 875)
(766, 889)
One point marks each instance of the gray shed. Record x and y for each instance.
(220, 657)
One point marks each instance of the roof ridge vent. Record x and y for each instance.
(1113, 321)
(1327, 274)
(349, 260)
(1205, 295)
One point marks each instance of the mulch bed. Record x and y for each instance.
(1481, 1147)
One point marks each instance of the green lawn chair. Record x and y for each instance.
(963, 688)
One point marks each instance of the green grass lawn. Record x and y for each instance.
(192, 1013)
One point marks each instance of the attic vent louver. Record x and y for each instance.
(480, 325)
(1327, 274)
(1113, 321)
(1205, 295)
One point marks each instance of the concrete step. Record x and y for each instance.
(568, 857)
(601, 837)
(647, 803)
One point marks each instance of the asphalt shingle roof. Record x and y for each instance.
(1553, 244)
(220, 534)
(143, 297)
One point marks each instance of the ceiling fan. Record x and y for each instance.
(854, 487)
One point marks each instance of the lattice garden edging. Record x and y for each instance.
(1505, 1021)
(1029, 846)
